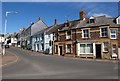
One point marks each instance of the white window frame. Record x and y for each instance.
(101, 32)
(114, 49)
(113, 34)
(85, 33)
(85, 48)
(114, 54)
(104, 47)
(118, 20)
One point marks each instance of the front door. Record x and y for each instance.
(37, 47)
(98, 51)
(60, 50)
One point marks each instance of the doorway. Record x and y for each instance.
(98, 51)
(37, 47)
(60, 50)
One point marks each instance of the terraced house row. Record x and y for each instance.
(94, 37)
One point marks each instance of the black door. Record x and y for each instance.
(98, 51)
(60, 50)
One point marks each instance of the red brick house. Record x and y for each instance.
(95, 37)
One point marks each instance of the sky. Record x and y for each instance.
(31, 11)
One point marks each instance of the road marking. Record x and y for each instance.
(9, 63)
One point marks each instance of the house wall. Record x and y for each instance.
(37, 27)
(48, 47)
(95, 38)
(1, 39)
(64, 42)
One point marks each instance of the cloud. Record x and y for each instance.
(100, 14)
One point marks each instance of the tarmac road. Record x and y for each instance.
(33, 65)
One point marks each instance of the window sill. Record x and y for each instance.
(105, 51)
(113, 38)
(68, 52)
(67, 39)
(86, 53)
(104, 37)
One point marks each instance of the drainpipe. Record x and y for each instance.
(75, 43)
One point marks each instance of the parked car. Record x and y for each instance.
(29, 47)
(6, 45)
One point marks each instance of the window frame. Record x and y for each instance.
(88, 33)
(115, 34)
(114, 49)
(68, 34)
(105, 47)
(67, 48)
(103, 32)
(92, 21)
(86, 45)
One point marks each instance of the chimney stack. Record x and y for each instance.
(14, 34)
(40, 18)
(55, 22)
(82, 15)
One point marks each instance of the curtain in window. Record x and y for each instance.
(89, 48)
(86, 48)
(82, 48)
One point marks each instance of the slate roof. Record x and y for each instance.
(112, 22)
(55, 28)
(99, 21)
(72, 25)
(41, 31)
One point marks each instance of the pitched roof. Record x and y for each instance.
(99, 21)
(55, 28)
(71, 24)
(41, 31)
(38, 26)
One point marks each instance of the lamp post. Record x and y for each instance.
(6, 19)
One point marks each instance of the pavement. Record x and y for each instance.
(8, 59)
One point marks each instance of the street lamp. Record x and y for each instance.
(7, 20)
(5, 28)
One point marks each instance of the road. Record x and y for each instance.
(33, 65)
